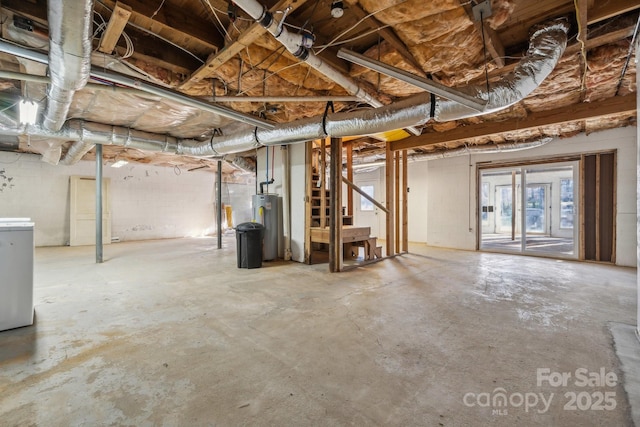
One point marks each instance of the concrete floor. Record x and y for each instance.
(172, 333)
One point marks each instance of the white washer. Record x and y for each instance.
(16, 273)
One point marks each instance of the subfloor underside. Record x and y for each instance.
(173, 333)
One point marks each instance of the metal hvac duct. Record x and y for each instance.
(69, 56)
(547, 45)
(546, 48)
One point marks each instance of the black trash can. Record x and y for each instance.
(249, 237)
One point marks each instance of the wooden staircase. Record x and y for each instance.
(353, 237)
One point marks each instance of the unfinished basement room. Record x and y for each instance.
(319, 213)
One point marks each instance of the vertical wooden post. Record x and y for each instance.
(389, 201)
(581, 207)
(405, 203)
(322, 171)
(598, 229)
(335, 211)
(397, 203)
(350, 177)
(219, 202)
(307, 201)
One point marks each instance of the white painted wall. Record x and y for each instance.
(452, 200)
(148, 202)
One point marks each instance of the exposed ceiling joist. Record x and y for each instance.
(172, 23)
(572, 49)
(117, 22)
(246, 38)
(387, 34)
(584, 111)
(602, 10)
(492, 40)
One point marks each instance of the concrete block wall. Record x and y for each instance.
(147, 202)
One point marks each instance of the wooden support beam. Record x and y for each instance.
(350, 177)
(387, 34)
(117, 22)
(614, 105)
(171, 22)
(322, 171)
(492, 40)
(390, 218)
(405, 203)
(307, 201)
(396, 182)
(365, 195)
(335, 211)
(602, 10)
(246, 38)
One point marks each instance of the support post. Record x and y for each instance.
(513, 205)
(335, 211)
(405, 203)
(637, 47)
(350, 177)
(98, 203)
(219, 202)
(322, 170)
(396, 181)
(389, 175)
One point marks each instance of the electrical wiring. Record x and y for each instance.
(222, 29)
(268, 76)
(375, 30)
(583, 48)
(100, 28)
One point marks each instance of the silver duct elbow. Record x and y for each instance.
(546, 47)
(69, 57)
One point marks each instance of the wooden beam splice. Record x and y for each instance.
(117, 22)
(388, 34)
(602, 10)
(245, 39)
(584, 111)
(492, 40)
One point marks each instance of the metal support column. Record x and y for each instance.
(219, 203)
(98, 203)
(637, 47)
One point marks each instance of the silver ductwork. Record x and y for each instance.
(76, 152)
(69, 56)
(546, 48)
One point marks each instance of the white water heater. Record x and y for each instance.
(266, 211)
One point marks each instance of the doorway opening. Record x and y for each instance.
(530, 209)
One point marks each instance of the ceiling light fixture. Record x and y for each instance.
(337, 8)
(28, 111)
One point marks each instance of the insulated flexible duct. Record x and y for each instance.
(69, 57)
(547, 46)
